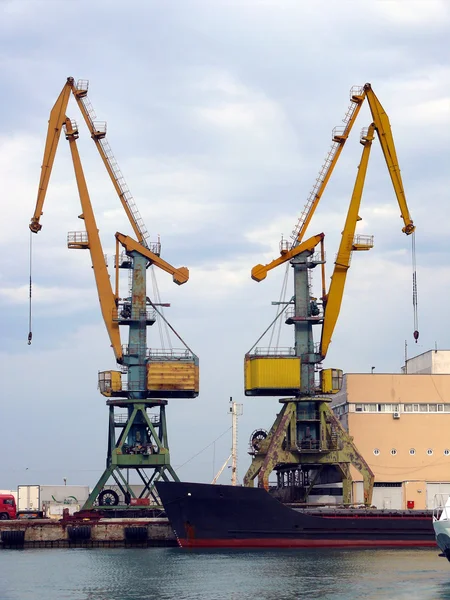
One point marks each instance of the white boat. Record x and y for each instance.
(441, 525)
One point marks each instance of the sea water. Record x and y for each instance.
(173, 573)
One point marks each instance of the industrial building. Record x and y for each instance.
(400, 423)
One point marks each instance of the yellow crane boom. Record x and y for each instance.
(384, 132)
(92, 242)
(259, 272)
(180, 275)
(333, 300)
(382, 126)
(98, 133)
(340, 136)
(55, 125)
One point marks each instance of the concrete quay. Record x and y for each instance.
(98, 533)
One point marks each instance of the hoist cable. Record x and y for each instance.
(414, 282)
(155, 294)
(169, 326)
(30, 333)
(267, 329)
(280, 300)
(162, 323)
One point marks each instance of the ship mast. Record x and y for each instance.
(236, 411)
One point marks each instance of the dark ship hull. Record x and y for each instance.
(220, 516)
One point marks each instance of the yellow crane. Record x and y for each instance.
(306, 443)
(152, 375)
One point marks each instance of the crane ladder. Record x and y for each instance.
(98, 131)
(339, 137)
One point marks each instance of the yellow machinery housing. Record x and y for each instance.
(331, 380)
(165, 378)
(171, 376)
(271, 375)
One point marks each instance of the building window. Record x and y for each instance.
(376, 452)
(358, 407)
(446, 452)
(429, 452)
(393, 451)
(389, 408)
(370, 408)
(412, 451)
(423, 408)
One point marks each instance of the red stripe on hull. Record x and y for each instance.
(284, 543)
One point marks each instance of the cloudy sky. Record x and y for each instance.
(220, 116)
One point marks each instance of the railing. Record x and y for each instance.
(170, 354)
(74, 126)
(82, 85)
(317, 258)
(338, 132)
(157, 354)
(308, 445)
(441, 512)
(356, 90)
(284, 246)
(124, 259)
(273, 352)
(290, 312)
(125, 312)
(363, 240)
(308, 415)
(363, 134)
(133, 386)
(77, 237)
(155, 247)
(122, 418)
(99, 128)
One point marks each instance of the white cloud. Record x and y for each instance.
(418, 13)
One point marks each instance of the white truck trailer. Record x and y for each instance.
(38, 501)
